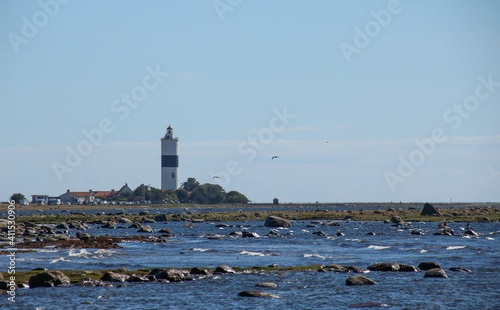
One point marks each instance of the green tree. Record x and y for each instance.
(182, 195)
(208, 194)
(236, 197)
(17, 197)
(169, 195)
(190, 185)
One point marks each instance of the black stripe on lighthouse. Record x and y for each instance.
(170, 161)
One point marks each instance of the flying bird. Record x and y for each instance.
(216, 177)
(274, 157)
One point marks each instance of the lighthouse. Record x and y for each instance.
(169, 160)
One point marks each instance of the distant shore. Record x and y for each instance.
(347, 205)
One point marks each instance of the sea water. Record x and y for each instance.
(294, 246)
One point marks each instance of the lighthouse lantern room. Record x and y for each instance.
(169, 160)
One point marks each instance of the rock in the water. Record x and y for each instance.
(266, 284)
(170, 274)
(320, 233)
(247, 234)
(430, 210)
(161, 218)
(146, 229)
(252, 293)
(428, 265)
(124, 220)
(140, 278)
(142, 213)
(417, 232)
(48, 279)
(435, 273)
(392, 267)
(368, 305)
(445, 232)
(275, 221)
(359, 280)
(331, 223)
(355, 269)
(112, 276)
(197, 270)
(461, 269)
(396, 220)
(83, 236)
(470, 232)
(224, 269)
(88, 282)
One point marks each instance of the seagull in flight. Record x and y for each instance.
(274, 157)
(216, 177)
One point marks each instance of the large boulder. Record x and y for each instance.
(276, 221)
(252, 293)
(169, 274)
(49, 279)
(112, 276)
(224, 269)
(430, 210)
(359, 280)
(161, 217)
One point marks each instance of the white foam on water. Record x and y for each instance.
(423, 251)
(60, 259)
(378, 247)
(456, 247)
(201, 250)
(315, 255)
(489, 238)
(253, 253)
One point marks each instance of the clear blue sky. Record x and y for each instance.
(363, 83)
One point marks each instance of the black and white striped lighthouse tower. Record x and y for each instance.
(169, 160)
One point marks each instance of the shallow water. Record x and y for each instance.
(295, 246)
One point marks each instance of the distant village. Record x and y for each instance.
(80, 198)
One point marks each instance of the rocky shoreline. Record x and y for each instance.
(42, 277)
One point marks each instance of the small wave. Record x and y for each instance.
(202, 250)
(423, 251)
(60, 259)
(252, 253)
(83, 253)
(489, 238)
(456, 247)
(378, 247)
(315, 255)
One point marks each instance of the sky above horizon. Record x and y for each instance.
(363, 101)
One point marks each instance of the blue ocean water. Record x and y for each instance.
(296, 246)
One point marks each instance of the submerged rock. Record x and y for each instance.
(275, 221)
(224, 269)
(252, 293)
(435, 273)
(49, 279)
(428, 265)
(359, 280)
(460, 269)
(266, 284)
(368, 305)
